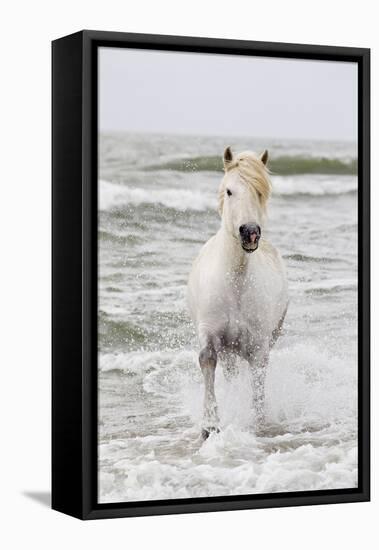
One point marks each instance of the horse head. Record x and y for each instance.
(243, 195)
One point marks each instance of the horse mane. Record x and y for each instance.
(253, 172)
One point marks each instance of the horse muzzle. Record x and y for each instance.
(250, 233)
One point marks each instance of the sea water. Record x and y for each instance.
(157, 207)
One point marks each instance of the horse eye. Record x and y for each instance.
(229, 192)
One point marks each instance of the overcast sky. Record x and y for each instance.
(151, 91)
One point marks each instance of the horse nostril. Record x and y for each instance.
(242, 227)
(258, 229)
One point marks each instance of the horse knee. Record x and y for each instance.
(208, 357)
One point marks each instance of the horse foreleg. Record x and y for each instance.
(230, 366)
(208, 362)
(258, 369)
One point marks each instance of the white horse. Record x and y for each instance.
(237, 289)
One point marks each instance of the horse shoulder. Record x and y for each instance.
(272, 262)
(206, 296)
(205, 253)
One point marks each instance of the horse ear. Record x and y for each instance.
(228, 157)
(264, 156)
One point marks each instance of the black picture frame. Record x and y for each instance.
(74, 273)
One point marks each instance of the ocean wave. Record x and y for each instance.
(171, 329)
(108, 236)
(283, 165)
(329, 286)
(316, 186)
(311, 259)
(114, 195)
(119, 332)
(305, 386)
(307, 468)
(134, 363)
(310, 442)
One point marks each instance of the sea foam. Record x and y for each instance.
(117, 195)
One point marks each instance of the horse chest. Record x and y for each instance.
(244, 317)
(245, 297)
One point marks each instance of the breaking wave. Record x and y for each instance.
(118, 195)
(309, 444)
(284, 165)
